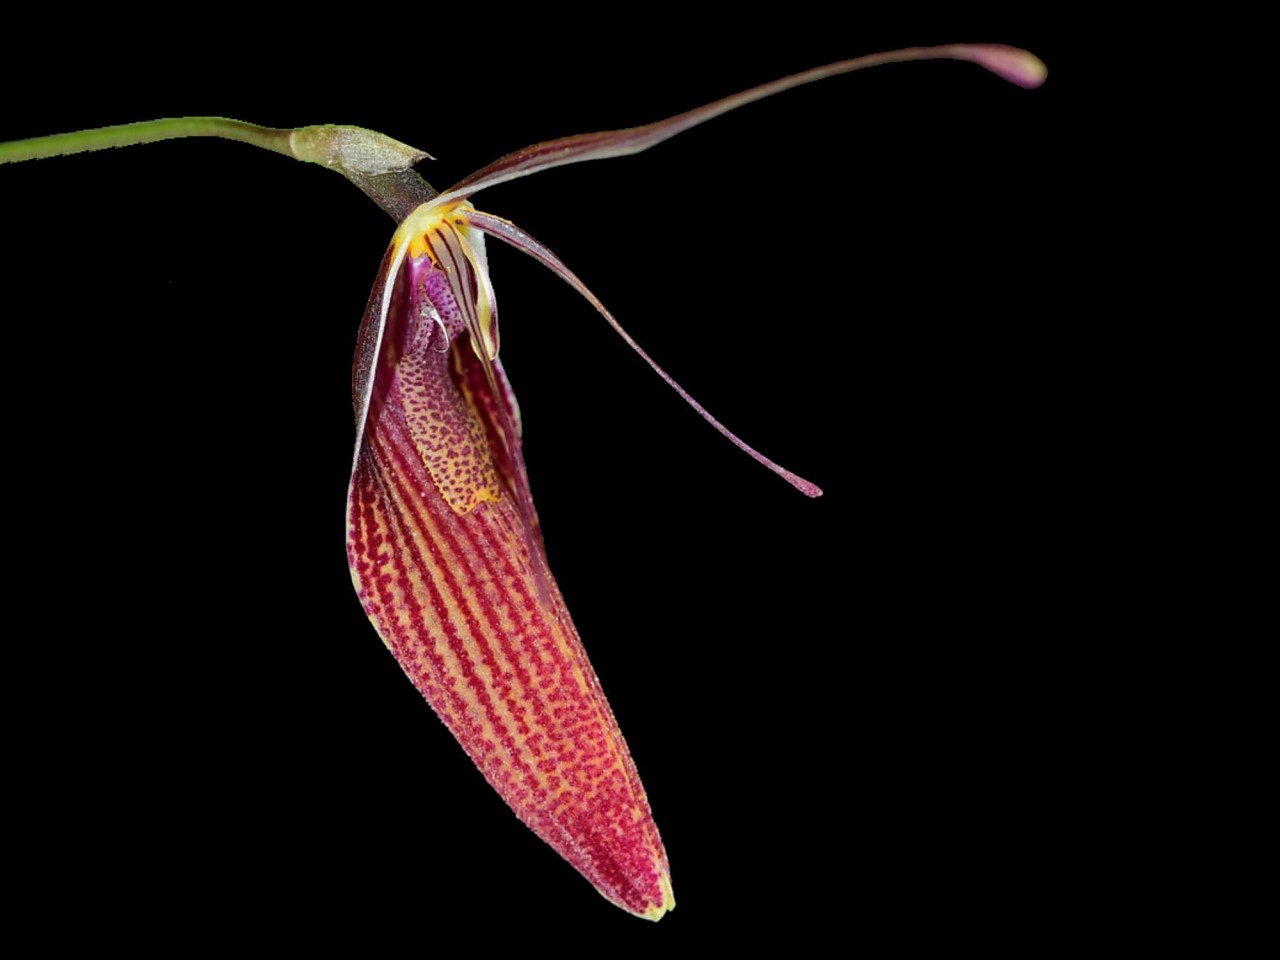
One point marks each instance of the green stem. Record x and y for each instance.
(346, 149)
(378, 165)
(127, 134)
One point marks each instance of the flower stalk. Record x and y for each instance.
(341, 147)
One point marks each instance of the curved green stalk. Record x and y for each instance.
(378, 165)
(150, 131)
(345, 148)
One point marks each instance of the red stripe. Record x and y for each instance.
(434, 531)
(590, 811)
(417, 630)
(465, 299)
(597, 817)
(435, 694)
(478, 597)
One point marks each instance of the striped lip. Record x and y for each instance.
(447, 560)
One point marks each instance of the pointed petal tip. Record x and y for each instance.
(668, 903)
(1014, 64)
(654, 911)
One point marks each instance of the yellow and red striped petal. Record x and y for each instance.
(450, 569)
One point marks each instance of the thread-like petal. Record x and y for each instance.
(1013, 64)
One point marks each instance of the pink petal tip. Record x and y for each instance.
(1015, 65)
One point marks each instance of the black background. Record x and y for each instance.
(854, 716)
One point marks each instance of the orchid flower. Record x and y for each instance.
(443, 541)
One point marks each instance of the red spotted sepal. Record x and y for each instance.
(448, 563)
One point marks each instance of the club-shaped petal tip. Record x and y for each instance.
(1015, 65)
